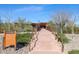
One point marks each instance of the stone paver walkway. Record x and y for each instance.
(46, 43)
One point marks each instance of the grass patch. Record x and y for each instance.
(24, 38)
(73, 52)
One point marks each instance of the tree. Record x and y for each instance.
(74, 20)
(60, 21)
(20, 23)
(7, 23)
(28, 26)
(52, 25)
(23, 25)
(1, 25)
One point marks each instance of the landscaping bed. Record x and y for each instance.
(24, 38)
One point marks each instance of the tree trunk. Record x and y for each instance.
(62, 47)
(73, 29)
(62, 41)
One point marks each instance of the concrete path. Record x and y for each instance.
(46, 43)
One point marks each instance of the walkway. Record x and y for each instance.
(46, 43)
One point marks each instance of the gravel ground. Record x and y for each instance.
(73, 44)
(11, 50)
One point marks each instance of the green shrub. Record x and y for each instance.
(73, 52)
(24, 38)
(63, 38)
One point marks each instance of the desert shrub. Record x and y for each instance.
(24, 38)
(62, 38)
(73, 52)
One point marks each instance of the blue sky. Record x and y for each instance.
(35, 12)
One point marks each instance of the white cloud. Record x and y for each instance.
(30, 8)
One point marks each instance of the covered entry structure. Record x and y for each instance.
(38, 26)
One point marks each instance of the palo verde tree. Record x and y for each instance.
(20, 23)
(60, 20)
(7, 23)
(52, 25)
(23, 25)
